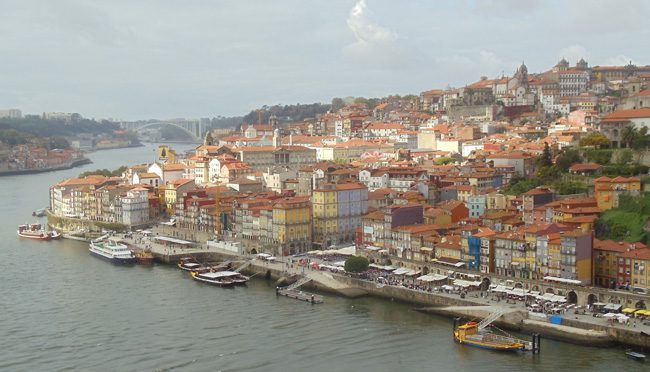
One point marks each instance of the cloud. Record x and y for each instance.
(374, 44)
(364, 30)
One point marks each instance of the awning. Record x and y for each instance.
(613, 307)
(173, 240)
(432, 278)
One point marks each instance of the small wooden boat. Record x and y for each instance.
(221, 278)
(188, 264)
(634, 355)
(470, 334)
(143, 257)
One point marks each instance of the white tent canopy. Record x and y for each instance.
(432, 278)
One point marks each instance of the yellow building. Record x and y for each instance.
(292, 225)
(337, 212)
(608, 190)
(172, 190)
(201, 170)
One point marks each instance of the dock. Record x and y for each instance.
(292, 291)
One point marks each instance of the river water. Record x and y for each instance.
(62, 309)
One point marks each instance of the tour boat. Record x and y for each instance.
(112, 250)
(470, 334)
(220, 278)
(36, 231)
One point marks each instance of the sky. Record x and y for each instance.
(129, 60)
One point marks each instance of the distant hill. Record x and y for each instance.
(15, 131)
(297, 112)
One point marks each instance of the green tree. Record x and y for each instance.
(624, 157)
(595, 139)
(628, 135)
(337, 104)
(546, 159)
(356, 264)
(361, 100)
(444, 160)
(566, 159)
(547, 173)
(58, 143)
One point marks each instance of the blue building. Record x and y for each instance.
(476, 205)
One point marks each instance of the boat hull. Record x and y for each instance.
(115, 260)
(218, 283)
(144, 260)
(489, 346)
(35, 237)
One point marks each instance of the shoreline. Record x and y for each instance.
(74, 164)
(515, 318)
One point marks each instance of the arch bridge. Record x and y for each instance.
(194, 128)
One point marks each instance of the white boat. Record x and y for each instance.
(112, 250)
(221, 278)
(36, 231)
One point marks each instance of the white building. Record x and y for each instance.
(11, 114)
(135, 207)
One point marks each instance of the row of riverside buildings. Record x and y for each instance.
(415, 182)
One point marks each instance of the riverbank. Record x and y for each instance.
(73, 164)
(575, 328)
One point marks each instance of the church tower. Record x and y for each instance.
(277, 139)
(522, 75)
(273, 122)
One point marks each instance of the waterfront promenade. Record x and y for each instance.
(576, 327)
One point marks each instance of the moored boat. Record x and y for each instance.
(188, 264)
(39, 212)
(220, 278)
(143, 257)
(112, 251)
(470, 334)
(37, 232)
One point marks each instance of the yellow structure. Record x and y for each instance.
(292, 224)
(166, 154)
(172, 190)
(608, 190)
(337, 212)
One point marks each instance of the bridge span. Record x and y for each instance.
(196, 129)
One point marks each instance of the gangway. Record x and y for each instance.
(490, 319)
(242, 267)
(292, 291)
(300, 282)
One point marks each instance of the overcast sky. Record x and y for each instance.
(141, 59)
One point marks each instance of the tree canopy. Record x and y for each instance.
(356, 264)
(595, 139)
(105, 172)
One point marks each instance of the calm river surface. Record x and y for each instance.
(61, 309)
